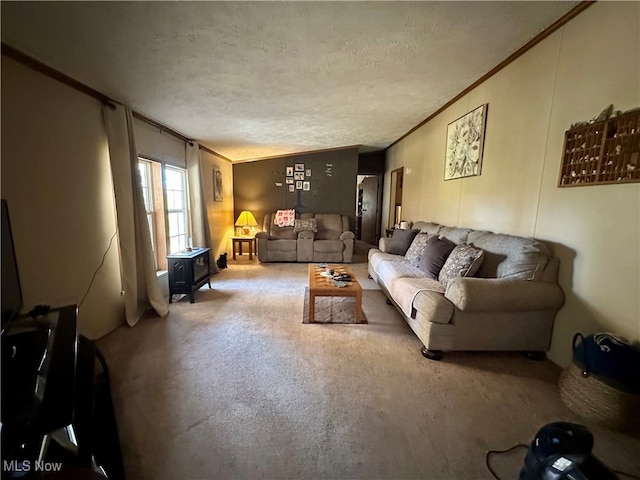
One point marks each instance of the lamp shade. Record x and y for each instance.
(246, 219)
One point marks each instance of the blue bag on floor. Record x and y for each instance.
(611, 358)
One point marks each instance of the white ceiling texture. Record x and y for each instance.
(256, 79)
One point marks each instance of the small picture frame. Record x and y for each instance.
(308, 172)
(298, 176)
(289, 180)
(306, 186)
(292, 188)
(299, 167)
(299, 185)
(217, 185)
(238, 231)
(289, 171)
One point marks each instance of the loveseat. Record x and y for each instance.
(505, 297)
(320, 237)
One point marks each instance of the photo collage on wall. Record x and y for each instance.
(298, 178)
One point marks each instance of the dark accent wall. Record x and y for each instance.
(372, 163)
(260, 186)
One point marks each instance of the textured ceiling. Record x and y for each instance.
(256, 79)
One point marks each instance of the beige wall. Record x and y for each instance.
(571, 76)
(220, 214)
(57, 182)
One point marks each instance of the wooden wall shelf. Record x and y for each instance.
(604, 152)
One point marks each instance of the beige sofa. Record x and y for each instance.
(332, 242)
(509, 304)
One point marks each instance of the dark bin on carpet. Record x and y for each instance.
(600, 384)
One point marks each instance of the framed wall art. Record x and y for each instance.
(289, 171)
(217, 185)
(465, 144)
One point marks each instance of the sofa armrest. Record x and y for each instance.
(434, 306)
(348, 235)
(471, 294)
(306, 234)
(263, 235)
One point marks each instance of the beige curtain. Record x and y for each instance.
(198, 202)
(139, 279)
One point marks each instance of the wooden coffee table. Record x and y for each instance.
(320, 286)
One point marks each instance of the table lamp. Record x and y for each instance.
(246, 221)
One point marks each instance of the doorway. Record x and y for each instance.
(368, 211)
(395, 198)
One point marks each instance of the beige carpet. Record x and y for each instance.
(234, 386)
(332, 310)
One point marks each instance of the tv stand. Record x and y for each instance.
(188, 271)
(57, 414)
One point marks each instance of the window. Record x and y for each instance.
(176, 191)
(147, 194)
(167, 208)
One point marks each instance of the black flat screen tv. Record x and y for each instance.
(11, 291)
(38, 359)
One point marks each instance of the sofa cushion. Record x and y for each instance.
(427, 227)
(376, 258)
(417, 247)
(508, 256)
(389, 272)
(435, 254)
(282, 233)
(307, 225)
(329, 226)
(401, 241)
(464, 260)
(328, 246)
(456, 234)
(282, 245)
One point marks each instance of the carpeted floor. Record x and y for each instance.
(235, 386)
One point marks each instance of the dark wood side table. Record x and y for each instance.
(251, 241)
(188, 271)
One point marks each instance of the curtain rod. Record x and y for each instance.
(208, 150)
(162, 127)
(45, 69)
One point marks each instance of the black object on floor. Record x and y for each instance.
(107, 444)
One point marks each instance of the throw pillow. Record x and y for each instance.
(307, 225)
(285, 218)
(435, 254)
(401, 240)
(417, 247)
(464, 260)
